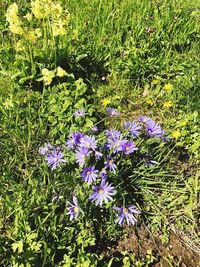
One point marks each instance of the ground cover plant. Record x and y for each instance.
(99, 128)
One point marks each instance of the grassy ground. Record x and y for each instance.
(143, 56)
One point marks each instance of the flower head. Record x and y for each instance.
(55, 158)
(103, 174)
(176, 134)
(80, 113)
(113, 112)
(101, 193)
(167, 104)
(74, 140)
(94, 129)
(133, 127)
(89, 174)
(126, 214)
(153, 129)
(61, 72)
(105, 102)
(110, 165)
(113, 134)
(46, 149)
(168, 86)
(88, 142)
(98, 155)
(74, 209)
(143, 119)
(81, 155)
(128, 147)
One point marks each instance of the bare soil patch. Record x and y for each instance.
(181, 250)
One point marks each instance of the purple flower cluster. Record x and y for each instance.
(100, 158)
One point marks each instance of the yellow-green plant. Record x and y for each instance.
(37, 35)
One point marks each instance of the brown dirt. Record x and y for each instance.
(181, 250)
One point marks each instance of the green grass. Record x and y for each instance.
(118, 48)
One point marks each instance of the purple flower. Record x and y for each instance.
(74, 140)
(89, 174)
(88, 142)
(133, 127)
(113, 134)
(81, 155)
(128, 147)
(44, 150)
(98, 155)
(112, 112)
(103, 174)
(80, 113)
(110, 165)
(126, 213)
(143, 119)
(101, 193)
(74, 209)
(55, 158)
(94, 129)
(153, 129)
(115, 144)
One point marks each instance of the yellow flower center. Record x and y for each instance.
(125, 210)
(127, 148)
(55, 159)
(110, 161)
(88, 172)
(101, 191)
(76, 209)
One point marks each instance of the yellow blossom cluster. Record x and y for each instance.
(14, 20)
(48, 75)
(44, 10)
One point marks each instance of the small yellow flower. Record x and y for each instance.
(155, 81)
(168, 86)
(105, 102)
(47, 76)
(19, 46)
(167, 104)
(182, 122)
(176, 134)
(28, 16)
(8, 103)
(31, 37)
(61, 72)
(149, 102)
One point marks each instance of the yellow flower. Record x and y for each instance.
(58, 28)
(13, 19)
(149, 102)
(182, 122)
(56, 10)
(41, 8)
(155, 81)
(47, 76)
(8, 103)
(31, 36)
(28, 16)
(168, 86)
(19, 46)
(176, 134)
(61, 72)
(167, 104)
(105, 102)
